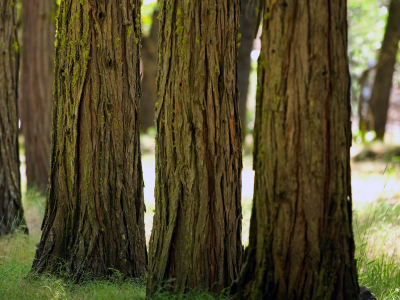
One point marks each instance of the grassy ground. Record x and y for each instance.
(16, 256)
(376, 190)
(376, 223)
(377, 233)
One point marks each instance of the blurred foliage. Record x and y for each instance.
(367, 23)
(148, 8)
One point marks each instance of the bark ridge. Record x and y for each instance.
(301, 242)
(94, 218)
(196, 237)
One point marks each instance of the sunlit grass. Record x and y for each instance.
(377, 235)
(376, 223)
(16, 255)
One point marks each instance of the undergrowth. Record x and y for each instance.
(376, 230)
(18, 250)
(377, 234)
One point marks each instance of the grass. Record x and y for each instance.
(16, 256)
(376, 227)
(377, 235)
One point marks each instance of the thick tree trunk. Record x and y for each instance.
(94, 218)
(379, 101)
(247, 29)
(37, 81)
(149, 59)
(11, 211)
(197, 221)
(301, 240)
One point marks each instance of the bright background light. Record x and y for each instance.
(147, 2)
(255, 54)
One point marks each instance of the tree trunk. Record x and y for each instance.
(11, 211)
(379, 101)
(301, 240)
(149, 59)
(247, 29)
(197, 221)
(94, 218)
(37, 81)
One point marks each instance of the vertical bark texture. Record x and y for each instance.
(301, 240)
(197, 220)
(379, 101)
(37, 81)
(11, 211)
(247, 28)
(149, 88)
(94, 218)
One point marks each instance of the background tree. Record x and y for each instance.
(246, 31)
(149, 59)
(379, 101)
(11, 211)
(197, 221)
(301, 240)
(94, 218)
(36, 86)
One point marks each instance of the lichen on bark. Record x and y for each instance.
(94, 217)
(196, 236)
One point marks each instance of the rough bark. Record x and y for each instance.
(301, 240)
(94, 218)
(197, 221)
(379, 101)
(149, 59)
(36, 87)
(11, 211)
(246, 31)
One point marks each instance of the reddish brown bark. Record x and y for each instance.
(301, 242)
(149, 88)
(36, 86)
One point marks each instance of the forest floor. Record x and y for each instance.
(376, 224)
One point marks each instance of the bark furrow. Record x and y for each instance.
(301, 242)
(196, 237)
(94, 218)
